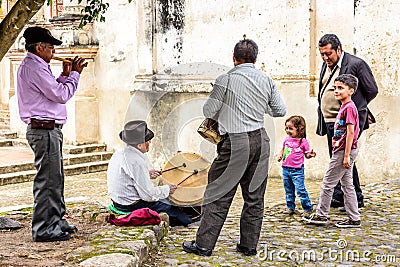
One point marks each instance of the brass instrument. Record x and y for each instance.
(61, 59)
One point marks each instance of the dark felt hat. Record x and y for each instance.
(136, 132)
(38, 34)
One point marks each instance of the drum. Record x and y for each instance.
(190, 178)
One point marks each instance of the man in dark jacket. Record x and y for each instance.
(337, 62)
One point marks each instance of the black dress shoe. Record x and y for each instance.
(70, 229)
(63, 236)
(192, 247)
(246, 251)
(336, 203)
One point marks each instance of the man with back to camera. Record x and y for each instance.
(239, 100)
(42, 106)
(337, 62)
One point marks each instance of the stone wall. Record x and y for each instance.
(141, 46)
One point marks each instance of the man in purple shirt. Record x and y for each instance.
(41, 101)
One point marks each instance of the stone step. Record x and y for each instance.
(67, 149)
(9, 135)
(4, 118)
(4, 127)
(13, 142)
(68, 160)
(6, 142)
(76, 169)
(87, 148)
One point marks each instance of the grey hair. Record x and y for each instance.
(31, 47)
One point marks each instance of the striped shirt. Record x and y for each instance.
(241, 97)
(128, 178)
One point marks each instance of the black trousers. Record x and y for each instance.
(48, 185)
(242, 159)
(338, 193)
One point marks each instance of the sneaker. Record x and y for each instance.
(289, 212)
(348, 223)
(316, 219)
(306, 213)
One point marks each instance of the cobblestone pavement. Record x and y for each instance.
(287, 241)
(284, 241)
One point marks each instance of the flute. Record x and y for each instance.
(61, 59)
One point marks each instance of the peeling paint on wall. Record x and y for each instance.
(170, 23)
(172, 15)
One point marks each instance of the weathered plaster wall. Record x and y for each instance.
(142, 44)
(116, 65)
(211, 28)
(287, 33)
(377, 40)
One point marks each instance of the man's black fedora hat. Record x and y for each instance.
(38, 34)
(136, 132)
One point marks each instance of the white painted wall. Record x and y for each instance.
(116, 65)
(286, 37)
(377, 40)
(287, 33)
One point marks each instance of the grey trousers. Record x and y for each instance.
(48, 185)
(337, 172)
(242, 159)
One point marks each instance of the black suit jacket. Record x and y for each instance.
(366, 91)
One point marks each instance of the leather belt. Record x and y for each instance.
(44, 124)
(59, 126)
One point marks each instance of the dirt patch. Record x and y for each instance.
(18, 249)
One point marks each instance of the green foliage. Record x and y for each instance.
(94, 11)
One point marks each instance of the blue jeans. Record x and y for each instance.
(293, 181)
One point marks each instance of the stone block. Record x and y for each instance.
(150, 237)
(114, 260)
(137, 246)
(7, 223)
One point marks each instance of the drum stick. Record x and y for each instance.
(195, 171)
(61, 59)
(183, 165)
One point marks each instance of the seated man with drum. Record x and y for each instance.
(128, 176)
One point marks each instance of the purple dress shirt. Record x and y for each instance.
(40, 94)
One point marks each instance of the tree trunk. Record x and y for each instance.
(14, 22)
